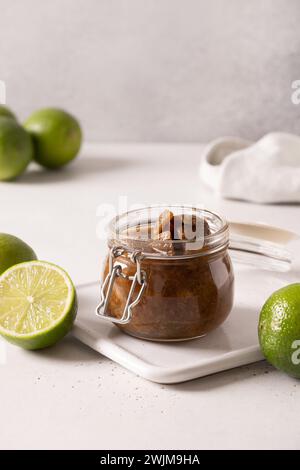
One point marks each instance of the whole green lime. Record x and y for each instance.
(6, 112)
(56, 135)
(13, 251)
(279, 329)
(16, 149)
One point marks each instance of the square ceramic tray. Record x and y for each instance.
(233, 344)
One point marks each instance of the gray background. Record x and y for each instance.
(155, 70)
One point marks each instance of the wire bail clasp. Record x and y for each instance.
(115, 270)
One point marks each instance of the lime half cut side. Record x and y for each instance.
(38, 304)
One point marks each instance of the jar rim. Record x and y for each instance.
(215, 241)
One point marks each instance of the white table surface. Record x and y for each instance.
(71, 397)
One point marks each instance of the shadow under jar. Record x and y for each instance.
(168, 275)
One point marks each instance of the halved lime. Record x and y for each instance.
(38, 304)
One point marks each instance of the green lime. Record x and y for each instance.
(38, 304)
(57, 136)
(6, 112)
(13, 251)
(279, 329)
(16, 149)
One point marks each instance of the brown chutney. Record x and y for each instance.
(189, 279)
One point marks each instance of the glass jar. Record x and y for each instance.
(167, 289)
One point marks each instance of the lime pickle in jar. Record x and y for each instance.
(168, 275)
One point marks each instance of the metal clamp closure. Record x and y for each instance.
(115, 270)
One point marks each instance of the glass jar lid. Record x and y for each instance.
(170, 231)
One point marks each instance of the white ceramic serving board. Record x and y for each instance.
(233, 344)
